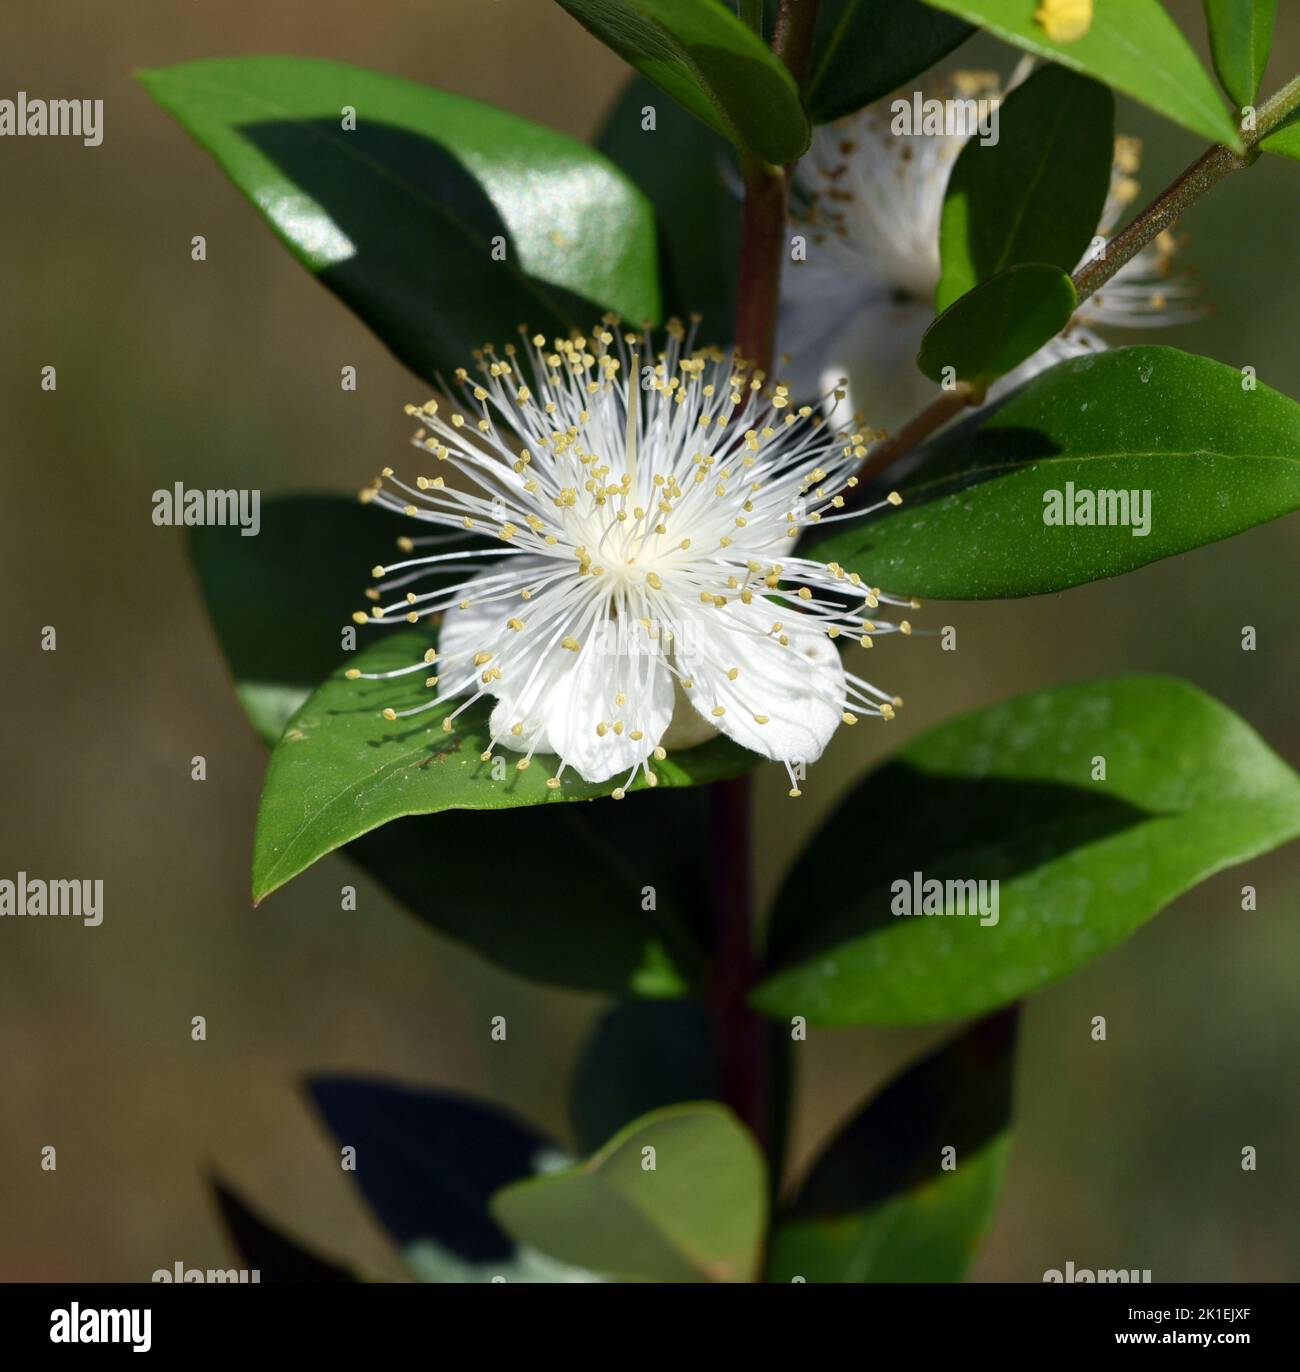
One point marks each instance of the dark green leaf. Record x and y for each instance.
(1132, 45)
(642, 1055)
(690, 176)
(1036, 195)
(1241, 33)
(405, 216)
(1215, 458)
(281, 602)
(712, 63)
(993, 328)
(878, 1205)
(428, 1163)
(587, 929)
(340, 770)
(864, 49)
(693, 1208)
(275, 1257)
(1013, 794)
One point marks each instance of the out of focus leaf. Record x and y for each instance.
(274, 1256)
(1241, 33)
(879, 1204)
(679, 1195)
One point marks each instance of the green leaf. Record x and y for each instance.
(1132, 45)
(1241, 33)
(1036, 195)
(642, 1055)
(864, 49)
(692, 1209)
(1285, 139)
(405, 217)
(878, 1206)
(428, 1163)
(690, 176)
(280, 602)
(709, 60)
(993, 328)
(1215, 458)
(587, 931)
(1008, 794)
(264, 1248)
(340, 770)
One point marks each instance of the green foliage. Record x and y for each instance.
(678, 1195)
(1132, 45)
(712, 63)
(878, 1205)
(1036, 195)
(690, 176)
(864, 49)
(994, 327)
(1215, 457)
(341, 770)
(1013, 794)
(441, 221)
(1241, 33)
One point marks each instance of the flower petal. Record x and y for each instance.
(797, 689)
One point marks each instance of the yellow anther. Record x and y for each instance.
(389, 714)
(571, 644)
(352, 673)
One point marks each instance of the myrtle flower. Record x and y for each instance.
(617, 565)
(870, 203)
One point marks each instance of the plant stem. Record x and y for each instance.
(1207, 171)
(741, 1035)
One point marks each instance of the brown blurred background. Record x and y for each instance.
(226, 373)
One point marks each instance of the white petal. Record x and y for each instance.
(798, 689)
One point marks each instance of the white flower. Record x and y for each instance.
(641, 590)
(872, 202)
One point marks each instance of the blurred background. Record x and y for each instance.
(225, 373)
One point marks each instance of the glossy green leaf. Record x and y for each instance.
(993, 328)
(1014, 794)
(706, 58)
(690, 176)
(281, 602)
(865, 49)
(878, 1204)
(693, 1208)
(1036, 195)
(641, 1056)
(1132, 45)
(341, 770)
(1241, 33)
(440, 220)
(428, 1163)
(1213, 457)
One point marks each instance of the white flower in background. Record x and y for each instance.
(641, 590)
(871, 207)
